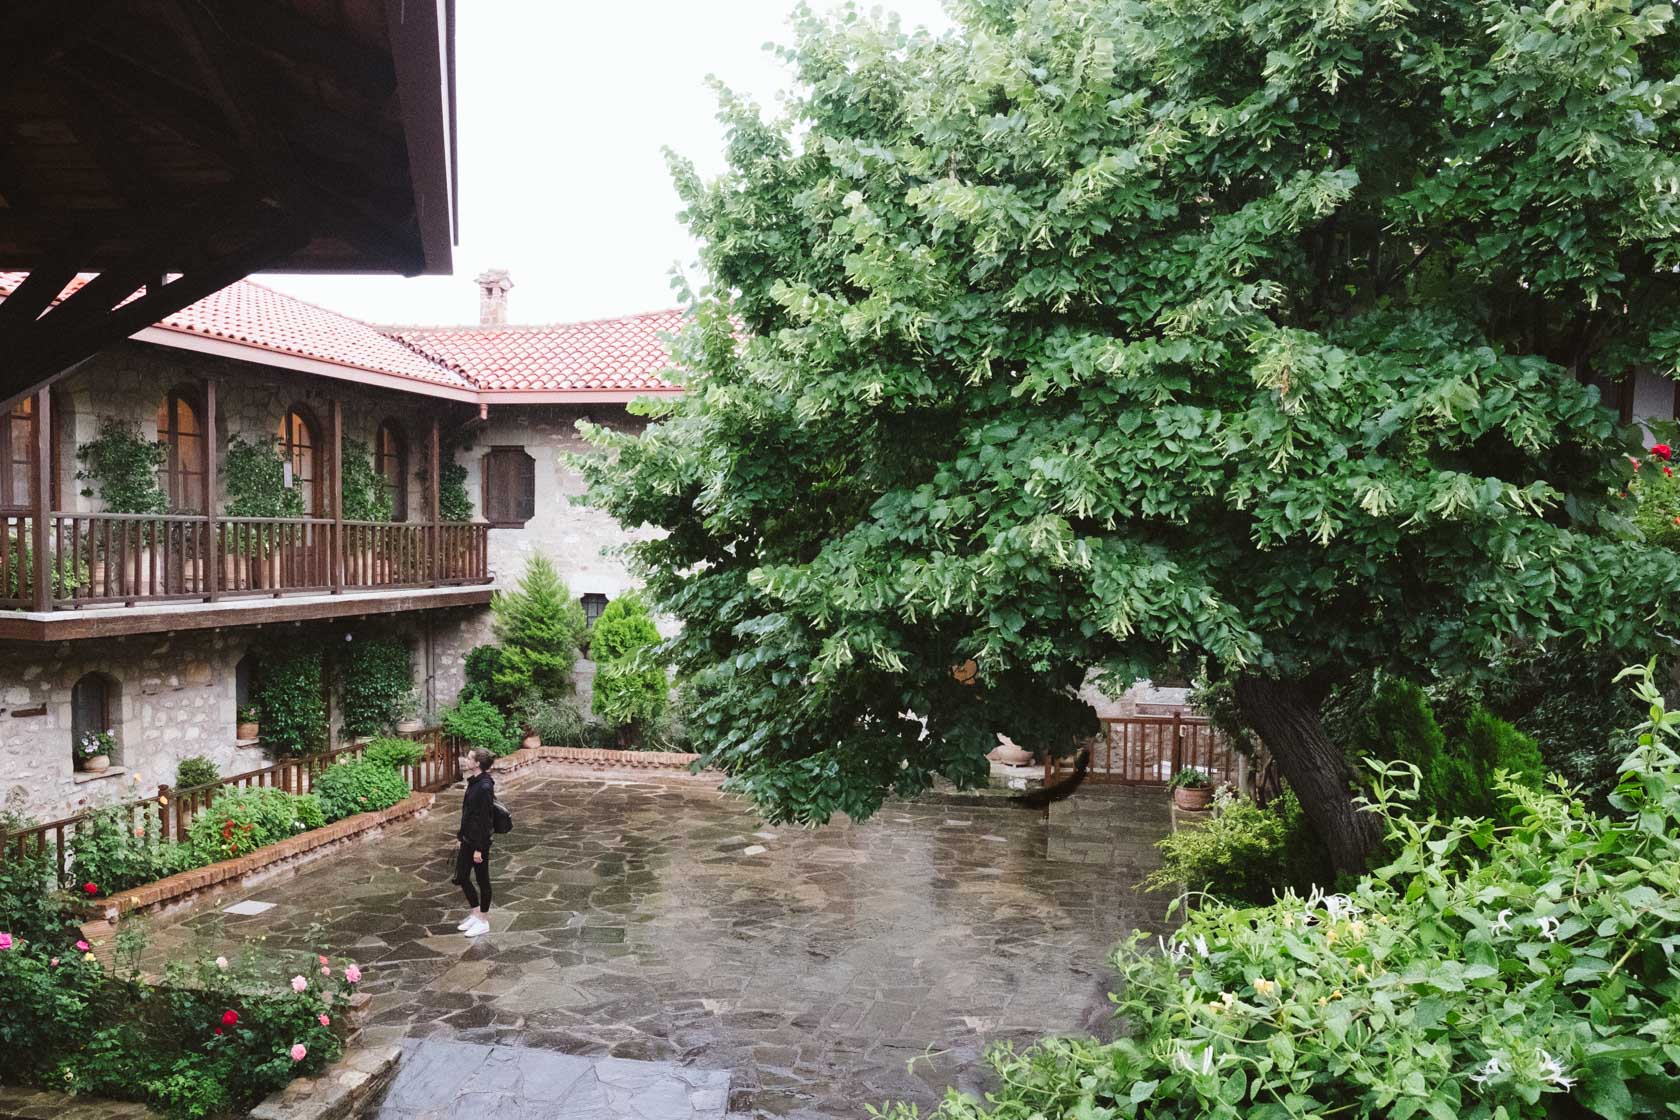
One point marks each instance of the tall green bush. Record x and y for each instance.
(255, 476)
(538, 625)
(481, 667)
(374, 677)
(631, 688)
(1486, 973)
(624, 627)
(479, 723)
(1244, 853)
(291, 698)
(358, 786)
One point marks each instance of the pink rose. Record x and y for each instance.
(323, 960)
(299, 983)
(53, 962)
(298, 1052)
(5, 941)
(353, 974)
(323, 1020)
(82, 946)
(325, 971)
(221, 963)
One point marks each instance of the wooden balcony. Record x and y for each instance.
(81, 575)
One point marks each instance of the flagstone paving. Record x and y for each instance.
(658, 919)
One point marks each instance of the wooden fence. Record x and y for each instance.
(1149, 750)
(174, 810)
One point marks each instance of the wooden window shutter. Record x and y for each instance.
(510, 486)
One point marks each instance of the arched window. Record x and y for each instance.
(391, 458)
(91, 706)
(300, 443)
(182, 433)
(17, 456)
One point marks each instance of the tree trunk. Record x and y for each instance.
(1286, 718)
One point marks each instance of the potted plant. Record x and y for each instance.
(93, 752)
(249, 729)
(1192, 790)
(408, 713)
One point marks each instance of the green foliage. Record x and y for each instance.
(196, 771)
(363, 493)
(1520, 972)
(67, 573)
(289, 694)
(374, 678)
(559, 723)
(624, 627)
(239, 821)
(358, 786)
(255, 476)
(630, 688)
(394, 753)
(31, 905)
(124, 467)
(120, 846)
(1393, 720)
(482, 666)
(454, 503)
(206, 1041)
(479, 723)
(1190, 778)
(1126, 335)
(538, 625)
(1242, 854)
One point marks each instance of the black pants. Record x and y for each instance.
(466, 871)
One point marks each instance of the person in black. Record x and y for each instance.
(473, 859)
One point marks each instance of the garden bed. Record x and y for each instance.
(282, 856)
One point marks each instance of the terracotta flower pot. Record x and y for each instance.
(1193, 800)
(408, 726)
(97, 764)
(531, 741)
(1011, 755)
(248, 731)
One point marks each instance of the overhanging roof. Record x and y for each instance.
(174, 146)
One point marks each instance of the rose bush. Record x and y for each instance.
(1487, 973)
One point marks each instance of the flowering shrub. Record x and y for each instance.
(119, 846)
(1487, 972)
(1655, 490)
(212, 1038)
(1242, 853)
(240, 821)
(93, 743)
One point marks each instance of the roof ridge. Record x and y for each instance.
(488, 328)
(436, 359)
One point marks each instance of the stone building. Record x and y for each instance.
(153, 625)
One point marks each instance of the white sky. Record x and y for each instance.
(563, 111)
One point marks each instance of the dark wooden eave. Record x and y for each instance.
(175, 146)
(115, 622)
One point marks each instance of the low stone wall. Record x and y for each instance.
(264, 863)
(526, 757)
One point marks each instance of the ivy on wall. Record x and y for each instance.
(454, 503)
(375, 676)
(363, 490)
(292, 699)
(124, 467)
(255, 476)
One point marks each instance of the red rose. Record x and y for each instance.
(218, 1030)
(1663, 451)
(229, 1018)
(91, 888)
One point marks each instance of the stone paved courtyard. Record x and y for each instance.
(659, 919)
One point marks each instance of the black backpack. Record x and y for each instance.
(500, 819)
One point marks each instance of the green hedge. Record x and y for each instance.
(240, 821)
(479, 723)
(358, 786)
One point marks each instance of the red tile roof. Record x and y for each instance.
(604, 355)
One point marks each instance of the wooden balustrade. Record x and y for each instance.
(1149, 750)
(174, 810)
(111, 558)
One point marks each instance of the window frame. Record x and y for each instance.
(107, 687)
(314, 496)
(584, 601)
(489, 509)
(174, 476)
(396, 485)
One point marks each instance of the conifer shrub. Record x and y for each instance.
(537, 626)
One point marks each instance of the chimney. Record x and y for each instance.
(493, 287)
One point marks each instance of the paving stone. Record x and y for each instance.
(627, 924)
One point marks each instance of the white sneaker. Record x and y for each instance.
(471, 917)
(476, 927)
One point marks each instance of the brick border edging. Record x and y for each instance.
(526, 757)
(294, 848)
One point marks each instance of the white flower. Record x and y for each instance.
(1488, 1071)
(1201, 946)
(1173, 949)
(1551, 1071)
(1189, 1062)
(1501, 924)
(1341, 906)
(1549, 928)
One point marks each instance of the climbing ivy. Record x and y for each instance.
(124, 466)
(256, 480)
(374, 677)
(291, 697)
(363, 490)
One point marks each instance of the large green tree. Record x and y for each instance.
(1140, 335)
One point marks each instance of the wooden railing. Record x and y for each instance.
(1149, 750)
(174, 809)
(107, 558)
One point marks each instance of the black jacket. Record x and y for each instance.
(477, 821)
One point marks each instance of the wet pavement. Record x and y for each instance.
(657, 919)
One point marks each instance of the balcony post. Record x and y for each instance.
(335, 556)
(212, 533)
(42, 495)
(434, 475)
